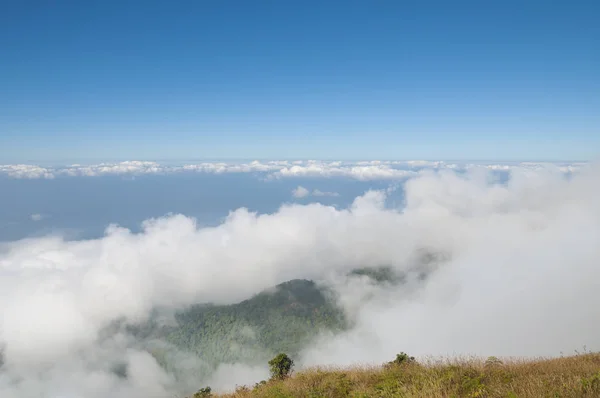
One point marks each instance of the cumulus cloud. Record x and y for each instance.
(128, 167)
(26, 171)
(511, 270)
(362, 170)
(300, 192)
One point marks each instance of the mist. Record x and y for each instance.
(513, 272)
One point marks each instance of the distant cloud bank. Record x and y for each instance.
(360, 170)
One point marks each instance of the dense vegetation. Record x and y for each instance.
(283, 319)
(570, 377)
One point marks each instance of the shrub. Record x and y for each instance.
(402, 358)
(242, 389)
(492, 361)
(203, 392)
(281, 367)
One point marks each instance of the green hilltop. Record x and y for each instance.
(285, 318)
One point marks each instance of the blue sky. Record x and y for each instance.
(86, 81)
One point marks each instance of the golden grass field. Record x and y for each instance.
(574, 376)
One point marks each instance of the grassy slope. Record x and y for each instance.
(577, 376)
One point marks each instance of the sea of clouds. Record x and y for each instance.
(360, 170)
(516, 274)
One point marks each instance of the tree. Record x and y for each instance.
(402, 358)
(281, 367)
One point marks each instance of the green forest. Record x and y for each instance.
(285, 318)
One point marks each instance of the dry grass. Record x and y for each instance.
(576, 376)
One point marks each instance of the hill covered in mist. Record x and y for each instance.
(284, 318)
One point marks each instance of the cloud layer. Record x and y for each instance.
(363, 170)
(300, 192)
(515, 272)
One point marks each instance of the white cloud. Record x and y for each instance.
(517, 276)
(363, 170)
(26, 171)
(317, 192)
(300, 192)
(36, 217)
(364, 173)
(128, 167)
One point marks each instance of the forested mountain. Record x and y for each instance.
(285, 318)
(282, 319)
(270, 322)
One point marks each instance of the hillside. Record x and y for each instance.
(569, 377)
(284, 318)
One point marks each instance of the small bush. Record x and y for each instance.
(492, 361)
(473, 386)
(242, 389)
(402, 358)
(203, 392)
(281, 367)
